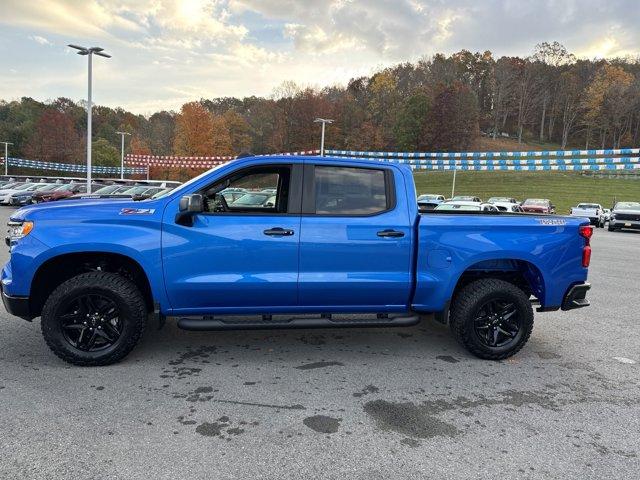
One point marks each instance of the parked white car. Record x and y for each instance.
(593, 211)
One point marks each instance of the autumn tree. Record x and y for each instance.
(411, 124)
(239, 131)
(453, 119)
(55, 139)
(194, 131)
(220, 137)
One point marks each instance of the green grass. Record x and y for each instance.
(565, 189)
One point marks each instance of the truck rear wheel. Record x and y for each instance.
(491, 318)
(95, 318)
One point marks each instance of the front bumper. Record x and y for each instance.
(18, 306)
(576, 297)
(615, 223)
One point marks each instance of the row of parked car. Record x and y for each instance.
(623, 215)
(25, 192)
(427, 202)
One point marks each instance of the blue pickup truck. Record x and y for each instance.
(333, 237)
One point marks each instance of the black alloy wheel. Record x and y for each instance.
(90, 322)
(497, 323)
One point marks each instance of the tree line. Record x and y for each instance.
(441, 103)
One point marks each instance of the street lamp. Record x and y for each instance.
(323, 121)
(6, 156)
(122, 134)
(89, 52)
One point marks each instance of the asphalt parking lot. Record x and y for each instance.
(356, 403)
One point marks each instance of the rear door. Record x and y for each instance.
(355, 239)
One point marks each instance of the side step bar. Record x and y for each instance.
(325, 321)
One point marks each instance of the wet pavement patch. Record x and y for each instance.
(311, 366)
(322, 423)
(408, 419)
(447, 358)
(366, 391)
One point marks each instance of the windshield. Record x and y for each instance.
(627, 206)
(500, 199)
(535, 201)
(467, 198)
(161, 193)
(198, 178)
(588, 205)
(107, 189)
(252, 199)
(64, 188)
(453, 206)
(428, 197)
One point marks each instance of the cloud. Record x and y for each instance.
(166, 52)
(40, 40)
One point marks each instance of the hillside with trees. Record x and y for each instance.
(441, 103)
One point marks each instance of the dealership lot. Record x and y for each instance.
(357, 403)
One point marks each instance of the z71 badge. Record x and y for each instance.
(137, 211)
(552, 221)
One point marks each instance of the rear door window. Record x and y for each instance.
(350, 191)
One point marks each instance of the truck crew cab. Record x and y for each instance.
(337, 236)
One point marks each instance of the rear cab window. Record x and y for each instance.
(348, 191)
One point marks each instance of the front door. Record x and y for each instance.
(355, 240)
(240, 256)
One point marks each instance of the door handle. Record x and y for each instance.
(278, 232)
(390, 233)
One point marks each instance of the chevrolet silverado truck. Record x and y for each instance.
(625, 215)
(592, 211)
(341, 237)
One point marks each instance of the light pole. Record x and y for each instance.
(323, 121)
(89, 52)
(453, 186)
(6, 157)
(122, 134)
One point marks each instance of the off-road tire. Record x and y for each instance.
(465, 308)
(122, 291)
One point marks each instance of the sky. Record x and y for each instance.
(166, 53)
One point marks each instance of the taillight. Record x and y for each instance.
(586, 256)
(586, 232)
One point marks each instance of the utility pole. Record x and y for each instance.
(89, 52)
(122, 134)
(324, 121)
(6, 157)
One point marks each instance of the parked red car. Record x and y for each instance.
(63, 191)
(538, 205)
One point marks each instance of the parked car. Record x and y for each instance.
(344, 237)
(503, 200)
(538, 205)
(13, 188)
(23, 197)
(593, 211)
(508, 207)
(255, 200)
(429, 201)
(466, 206)
(62, 192)
(466, 198)
(625, 215)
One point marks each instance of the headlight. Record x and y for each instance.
(17, 230)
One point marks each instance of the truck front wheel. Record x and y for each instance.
(95, 318)
(491, 318)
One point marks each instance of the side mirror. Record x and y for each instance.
(189, 206)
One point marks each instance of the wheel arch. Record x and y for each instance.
(522, 273)
(60, 268)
